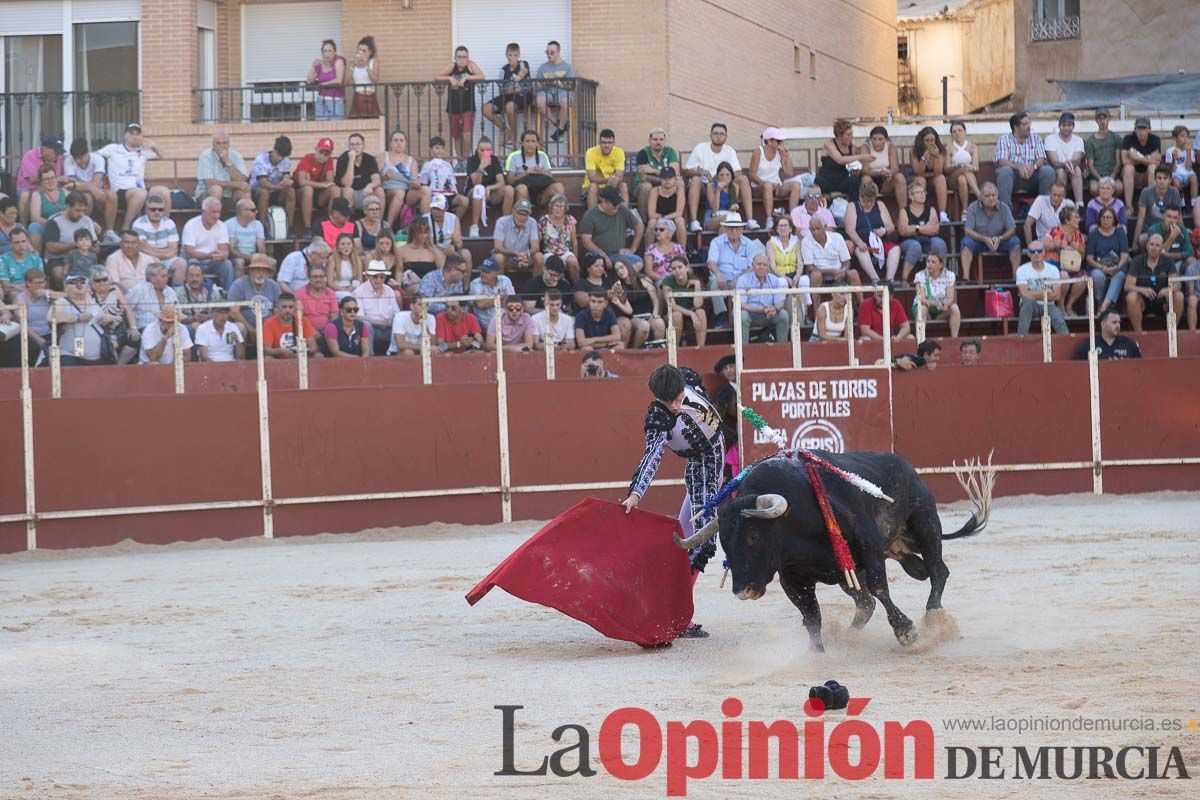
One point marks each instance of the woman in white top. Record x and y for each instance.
(345, 267)
(935, 292)
(771, 173)
(831, 319)
(398, 171)
(962, 165)
(363, 75)
(882, 163)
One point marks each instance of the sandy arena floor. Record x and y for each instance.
(350, 667)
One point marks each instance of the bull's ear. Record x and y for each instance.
(767, 506)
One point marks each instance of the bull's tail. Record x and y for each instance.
(977, 481)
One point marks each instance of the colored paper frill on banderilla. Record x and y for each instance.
(620, 573)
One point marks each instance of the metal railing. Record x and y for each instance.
(1053, 29)
(25, 117)
(419, 109)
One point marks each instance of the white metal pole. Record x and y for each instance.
(887, 326)
(178, 348)
(1172, 323)
(1091, 300)
(549, 344)
(1094, 392)
(27, 432)
(55, 364)
(921, 314)
(502, 415)
(739, 365)
(264, 426)
(672, 345)
(851, 333)
(1047, 353)
(797, 306)
(301, 347)
(426, 357)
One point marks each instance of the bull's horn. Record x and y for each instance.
(767, 506)
(699, 537)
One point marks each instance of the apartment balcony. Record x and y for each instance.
(25, 117)
(1053, 29)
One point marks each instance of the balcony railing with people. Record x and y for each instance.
(25, 117)
(423, 110)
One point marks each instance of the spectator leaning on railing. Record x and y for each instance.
(363, 75)
(460, 98)
(327, 74)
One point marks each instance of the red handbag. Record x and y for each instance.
(997, 303)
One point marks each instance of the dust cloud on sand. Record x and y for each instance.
(351, 667)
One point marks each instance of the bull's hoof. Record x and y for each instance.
(906, 636)
(815, 644)
(861, 619)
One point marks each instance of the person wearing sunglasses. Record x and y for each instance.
(1032, 277)
(813, 206)
(348, 336)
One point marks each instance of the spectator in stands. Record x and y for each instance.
(15, 263)
(1153, 200)
(442, 283)
(158, 339)
(345, 266)
(1065, 245)
(813, 206)
(719, 198)
(604, 165)
(536, 288)
(1147, 284)
(338, 223)
(357, 173)
(205, 242)
(596, 325)
(1107, 257)
(927, 162)
(491, 283)
(460, 99)
(1043, 214)
(635, 301)
(516, 238)
(402, 189)
(9, 222)
(1102, 152)
(666, 201)
(764, 310)
(962, 166)
(1177, 240)
(220, 340)
(936, 293)
(59, 237)
(363, 75)
(407, 327)
(83, 340)
(127, 265)
(868, 226)
(258, 284)
(657, 261)
(314, 181)
(222, 173)
(593, 366)
(1066, 153)
(125, 163)
(1110, 344)
(969, 351)
(349, 336)
(457, 329)
(928, 354)
(989, 227)
(318, 303)
(197, 290)
(684, 310)
(35, 296)
(438, 174)
(772, 174)
(246, 236)
(651, 161)
(85, 254)
(327, 75)
(1021, 161)
(1181, 156)
(371, 227)
(918, 229)
(882, 164)
(552, 324)
(1106, 190)
(280, 332)
(272, 183)
(701, 170)
(825, 256)
(527, 169)
(870, 317)
(841, 166)
(595, 278)
(514, 94)
(606, 228)
(1032, 279)
(557, 237)
(45, 200)
(1139, 157)
(485, 176)
(385, 252)
(830, 319)
(555, 93)
(516, 328)
(293, 270)
(418, 254)
(729, 255)
(783, 251)
(116, 316)
(151, 295)
(445, 231)
(84, 172)
(377, 304)
(48, 154)
(158, 237)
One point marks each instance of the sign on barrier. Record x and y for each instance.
(836, 410)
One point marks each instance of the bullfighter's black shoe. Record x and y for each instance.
(694, 632)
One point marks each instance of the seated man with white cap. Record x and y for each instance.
(772, 174)
(445, 230)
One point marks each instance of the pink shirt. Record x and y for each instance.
(801, 219)
(27, 172)
(318, 308)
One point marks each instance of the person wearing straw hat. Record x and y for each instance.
(377, 304)
(158, 338)
(257, 284)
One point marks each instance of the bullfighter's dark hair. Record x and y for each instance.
(666, 382)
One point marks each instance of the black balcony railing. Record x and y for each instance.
(419, 109)
(100, 116)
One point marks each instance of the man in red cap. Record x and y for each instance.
(314, 178)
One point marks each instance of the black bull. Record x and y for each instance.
(775, 526)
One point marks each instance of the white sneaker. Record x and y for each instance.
(111, 237)
(474, 233)
(944, 217)
(695, 226)
(752, 224)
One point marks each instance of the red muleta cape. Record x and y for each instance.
(620, 573)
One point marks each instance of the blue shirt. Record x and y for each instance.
(484, 311)
(245, 239)
(434, 285)
(591, 328)
(13, 271)
(732, 263)
(770, 281)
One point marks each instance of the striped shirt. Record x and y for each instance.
(1008, 148)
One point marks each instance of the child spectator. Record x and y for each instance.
(485, 175)
(271, 181)
(514, 94)
(438, 174)
(460, 99)
(1182, 156)
(83, 257)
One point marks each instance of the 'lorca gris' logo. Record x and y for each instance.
(819, 434)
